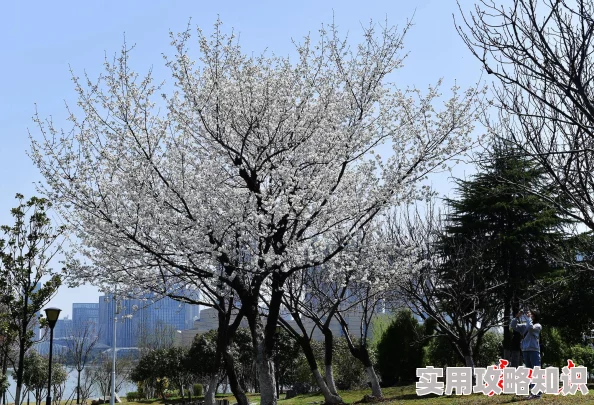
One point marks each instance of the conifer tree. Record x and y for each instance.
(521, 234)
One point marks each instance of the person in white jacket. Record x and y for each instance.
(530, 330)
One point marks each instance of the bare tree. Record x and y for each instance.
(358, 288)
(85, 386)
(160, 336)
(447, 285)
(101, 371)
(541, 54)
(80, 343)
(365, 310)
(319, 309)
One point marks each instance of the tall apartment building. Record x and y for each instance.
(83, 313)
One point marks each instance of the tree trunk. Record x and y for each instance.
(330, 379)
(328, 350)
(376, 390)
(4, 370)
(78, 386)
(507, 334)
(362, 354)
(22, 343)
(209, 398)
(266, 374)
(516, 356)
(236, 389)
(469, 361)
(329, 398)
(263, 338)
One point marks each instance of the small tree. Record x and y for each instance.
(100, 373)
(36, 374)
(400, 351)
(177, 368)
(81, 341)
(26, 250)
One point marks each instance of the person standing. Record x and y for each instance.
(530, 330)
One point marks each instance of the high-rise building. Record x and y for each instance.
(126, 334)
(83, 313)
(63, 328)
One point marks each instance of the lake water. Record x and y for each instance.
(70, 388)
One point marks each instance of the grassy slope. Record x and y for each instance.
(407, 396)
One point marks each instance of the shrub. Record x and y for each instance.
(489, 352)
(399, 352)
(439, 352)
(198, 390)
(349, 372)
(553, 347)
(170, 393)
(132, 396)
(581, 356)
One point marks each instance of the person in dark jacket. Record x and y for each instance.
(516, 349)
(530, 329)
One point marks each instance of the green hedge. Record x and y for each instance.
(198, 390)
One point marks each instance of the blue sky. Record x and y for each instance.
(41, 39)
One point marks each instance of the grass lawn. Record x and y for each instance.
(407, 396)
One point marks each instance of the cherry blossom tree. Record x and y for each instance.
(255, 160)
(302, 298)
(361, 279)
(302, 332)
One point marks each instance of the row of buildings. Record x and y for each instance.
(139, 319)
(135, 318)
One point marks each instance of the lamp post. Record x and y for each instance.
(52, 317)
(113, 365)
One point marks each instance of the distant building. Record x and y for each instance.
(209, 320)
(138, 315)
(63, 328)
(83, 313)
(125, 330)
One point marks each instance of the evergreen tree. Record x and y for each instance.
(568, 303)
(515, 235)
(396, 365)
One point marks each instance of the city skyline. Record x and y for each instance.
(134, 315)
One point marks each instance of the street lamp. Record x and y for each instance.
(52, 317)
(113, 365)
